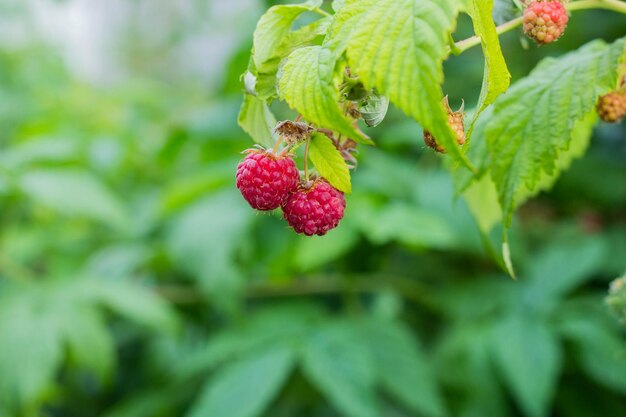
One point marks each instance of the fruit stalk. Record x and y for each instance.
(277, 146)
(306, 160)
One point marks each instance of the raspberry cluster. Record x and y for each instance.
(611, 107)
(545, 21)
(268, 181)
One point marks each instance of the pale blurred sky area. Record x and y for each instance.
(106, 41)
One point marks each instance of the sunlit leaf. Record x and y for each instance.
(496, 77)
(398, 47)
(309, 84)
(329, 162)
(257, 120)
(525, 141)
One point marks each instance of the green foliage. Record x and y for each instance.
(344, 359)
(524, 141)
(497, 78)
(343, 370)
(309, 85)
(65, 315)
(329, 163)
(396, 49)
(373, 109)
(135, 281)
(257, 120)
(521, 149)
(256, 379)
(273, 29)
(387, 45)
(520, 342)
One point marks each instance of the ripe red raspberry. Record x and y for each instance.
(455, 120)
(316, 210)
(265, 180)
(611, 107)
(545, 21)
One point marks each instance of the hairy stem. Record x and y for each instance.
(322, 12)
(469, 43)
(614, 5)
(306, 160)
(278, 142)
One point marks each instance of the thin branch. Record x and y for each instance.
(411, 290)
(469, 43)
(613, 5)
(306, 159)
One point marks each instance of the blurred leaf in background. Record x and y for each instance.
(134, 281)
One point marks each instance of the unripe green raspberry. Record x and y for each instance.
(455, 120)
(611, 107)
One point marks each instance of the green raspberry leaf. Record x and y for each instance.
(497, 78)
(518, 342)
(329, 163)
(257, 377)
(256, 119)
(581, 136)
(274, 27)
(309, 85)
(534, 123)
(398, 47)
(337, 363)
(274, 41)
(338, 4)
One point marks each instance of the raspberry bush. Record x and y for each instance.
(340, 73)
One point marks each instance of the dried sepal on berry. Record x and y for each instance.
(611, 107)
(293, 132)
(545, 21)
(352, 110)
(455, 120)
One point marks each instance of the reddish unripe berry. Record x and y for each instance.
(611, 107)
(545, 21)
(315, 210)
(265, 180)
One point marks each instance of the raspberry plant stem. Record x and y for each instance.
(613, 5)
(278, 142)
(364, 284)
(320, 11)
(306, 160)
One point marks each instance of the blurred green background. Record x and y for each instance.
(136, 282)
